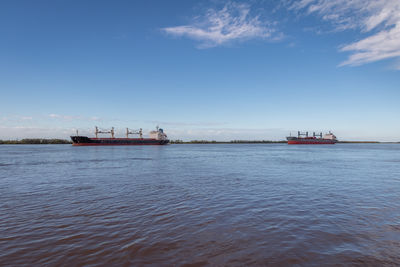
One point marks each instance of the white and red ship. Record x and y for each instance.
(315, 139)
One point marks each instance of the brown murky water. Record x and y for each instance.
(232, 205)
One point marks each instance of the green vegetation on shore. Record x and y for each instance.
(41, 141)
(266, 142)
(35, 141)
(362, 142)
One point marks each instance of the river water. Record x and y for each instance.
(214, 204)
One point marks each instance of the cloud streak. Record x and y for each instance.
(231, 23)
(226, 134)
(20, 132)
(379, 19)
(73, 118)
(186, 124)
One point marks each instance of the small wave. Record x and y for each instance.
(6, 164)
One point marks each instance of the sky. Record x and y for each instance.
(209, 70)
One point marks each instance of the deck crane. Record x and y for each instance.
(139, 132)
(97, 131)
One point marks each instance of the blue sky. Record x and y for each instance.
(216, 70)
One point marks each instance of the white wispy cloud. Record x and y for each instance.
(226, 134)
(20, 132)
(378, 19)
(26, 118)
(73, 117)
(16, 118)
(186, 124)
(231, 23)
(64, 117)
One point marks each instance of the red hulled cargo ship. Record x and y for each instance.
(157, 137)
(316, 139)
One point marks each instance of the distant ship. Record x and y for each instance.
(157, 137)
(316, 139)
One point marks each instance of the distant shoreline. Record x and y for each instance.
(43, 141)
(269, 142)
(35, 141)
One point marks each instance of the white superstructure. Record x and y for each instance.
(158, 134)
(330, 136)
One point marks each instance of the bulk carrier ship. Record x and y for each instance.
(316, 139)
(157, 137)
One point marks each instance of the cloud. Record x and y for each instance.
(379, 19)
(226, 134)
(231, 23)
(72, 117)
(54, 116)
(26, 118)
(383, 45)
(64, 117)
(186, 124)
(20, 132)
(16, 118)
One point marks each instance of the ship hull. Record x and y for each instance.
(311, 142)
(86, 141)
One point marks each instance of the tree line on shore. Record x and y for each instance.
(262, 142)
(42, 141)
(226, 142)
(38, 141)
(35, 141)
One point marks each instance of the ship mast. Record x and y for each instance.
(316, 135)
(299, 134)
(139, 132)
(97, 131)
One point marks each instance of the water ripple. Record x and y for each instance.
(196, 205)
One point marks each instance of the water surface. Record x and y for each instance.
(236, 205)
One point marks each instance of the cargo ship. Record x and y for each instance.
(157, 137)
(315, 139)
